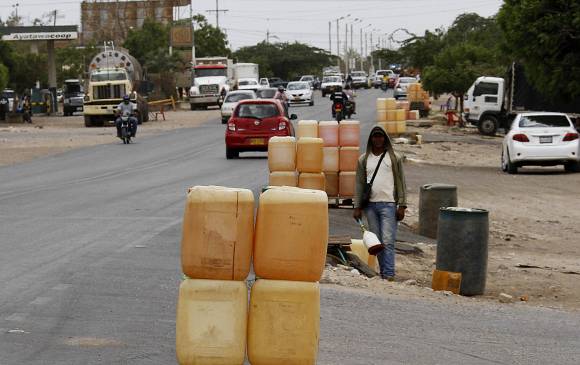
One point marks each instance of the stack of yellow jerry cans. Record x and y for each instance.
(415, 93)
(282, 161)
(349, 139)
(281, 325)
(392, 116)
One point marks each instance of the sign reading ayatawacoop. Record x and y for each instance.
(40, 36)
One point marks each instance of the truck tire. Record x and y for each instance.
(88, 121)
(488, 125)
(192, 106)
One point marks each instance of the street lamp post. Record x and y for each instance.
(338, 37)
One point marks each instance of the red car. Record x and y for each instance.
(253, 123)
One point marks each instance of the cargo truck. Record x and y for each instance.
(213, 77)
(113, 73)
(493, 102)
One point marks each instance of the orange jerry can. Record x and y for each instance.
(446, 280)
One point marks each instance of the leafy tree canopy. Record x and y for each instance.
(544, 35)
(285, 60)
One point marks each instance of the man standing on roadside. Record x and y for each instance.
(387, 199)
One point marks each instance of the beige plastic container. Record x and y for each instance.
(330, 158)
(391, 104)
(291, 234)
(282, 154)
(349, 158)
(211, 322)
(401, 127)
(391, 115)
(328, 131)
(359, 249)
(284, 323)
(381, 115)
(314, 181)
(403, 104)
(307, 128)
(415, 114)
(218, 227)
(346, 184)
(309, 154)
(382, 103)
(400, 115)
(390, 127)
(283, 178)
(349, 133)
(331, 185)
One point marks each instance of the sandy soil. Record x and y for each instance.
(51, 135)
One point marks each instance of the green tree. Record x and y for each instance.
(148, 40)
(72, 61)
(4, 76)
(544, 35)
(285, 60)
(456, 67)
(209, 40)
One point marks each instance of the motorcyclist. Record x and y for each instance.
(350, 97)
(281, 95)
(126, 108)
(338, 96)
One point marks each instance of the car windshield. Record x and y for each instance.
(298, 86)
(72, 89)
(263, 82)
(209, 72)
(407, 80)
(266, 93)
(331, 79)
(306, 78)
(234, 98)
(543, 121)
(358, 74)
(258, 111)
(8, 93)
(247, 82)
(108, 76)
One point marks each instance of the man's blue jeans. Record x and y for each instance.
(382, 219)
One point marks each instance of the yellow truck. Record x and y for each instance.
(113, 73)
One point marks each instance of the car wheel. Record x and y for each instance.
(192, 106)
(311, 103)
(510, 167)
(323, 94)
(225, 120)
(231, 153)
(572, 167)
(488, 125)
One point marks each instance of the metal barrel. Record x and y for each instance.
(462, 242)
(433, 197)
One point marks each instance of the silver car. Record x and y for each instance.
(402, 85)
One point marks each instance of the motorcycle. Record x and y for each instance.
(125, 129)
(384, 85)
(337, 108)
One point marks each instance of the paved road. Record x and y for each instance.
(89, 266)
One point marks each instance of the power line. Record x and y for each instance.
(217, 12)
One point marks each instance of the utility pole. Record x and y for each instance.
(345, 49)
(217, 12)
(361, 49)
(338, 43)
(192, 40)
(15, 6)
(330, 37)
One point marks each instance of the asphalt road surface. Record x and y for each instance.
(89, 266)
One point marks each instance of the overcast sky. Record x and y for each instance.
(247, 21)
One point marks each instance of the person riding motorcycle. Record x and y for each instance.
(126, 108)
(350, 97)
(281, 95)
(338, 96)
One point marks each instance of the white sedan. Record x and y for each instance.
(231, 101)
(299, 92)
(540, 139)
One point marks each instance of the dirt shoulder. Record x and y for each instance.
(51, 135)
(533, 243)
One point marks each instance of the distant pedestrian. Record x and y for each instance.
(26, 109)
(4, 106)
(384, 201)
